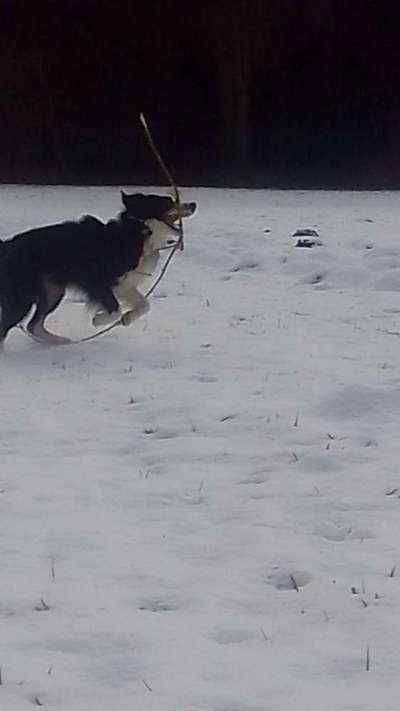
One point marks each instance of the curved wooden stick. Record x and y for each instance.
(168, 176)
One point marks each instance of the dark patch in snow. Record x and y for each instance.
(306, 232)
(168, 604)
(316, 278)
(308, 243)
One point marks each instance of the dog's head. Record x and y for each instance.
(157, 207)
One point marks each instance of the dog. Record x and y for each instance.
(104, 261)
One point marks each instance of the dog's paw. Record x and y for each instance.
(128, 317)
(102, 318)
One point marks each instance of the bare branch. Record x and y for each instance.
(167, 174)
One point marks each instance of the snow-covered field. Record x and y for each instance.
(202, 512)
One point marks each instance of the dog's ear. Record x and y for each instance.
(123, 198)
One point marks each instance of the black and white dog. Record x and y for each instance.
(105, 261)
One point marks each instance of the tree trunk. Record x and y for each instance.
(233, 68)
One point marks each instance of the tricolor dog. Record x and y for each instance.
(105, 261)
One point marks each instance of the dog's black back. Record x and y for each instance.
(72, 253)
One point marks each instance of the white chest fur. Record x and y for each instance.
(144, 270)
(161, 234)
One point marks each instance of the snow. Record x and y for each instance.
(208, 501)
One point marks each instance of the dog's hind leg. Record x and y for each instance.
(139, 307)
(110, 310)
(48, 300)
(13, 309)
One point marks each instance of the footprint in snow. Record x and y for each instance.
(233, 636)
(255, 478)
(244, 264)
(166, 433)
(204, 378)
(194, 499)
(161, 604)
(332, 532)
(161, 432)
(286, 579)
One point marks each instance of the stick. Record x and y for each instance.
(167, 174)
(163, 270)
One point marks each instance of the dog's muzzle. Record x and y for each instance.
(184, 209)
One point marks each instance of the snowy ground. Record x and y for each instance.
(208, 502)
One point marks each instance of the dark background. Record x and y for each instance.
(288, 93)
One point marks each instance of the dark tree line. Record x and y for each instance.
(245, 92)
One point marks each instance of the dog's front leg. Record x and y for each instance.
(137, 303)
(102, 318)
(110, 311)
